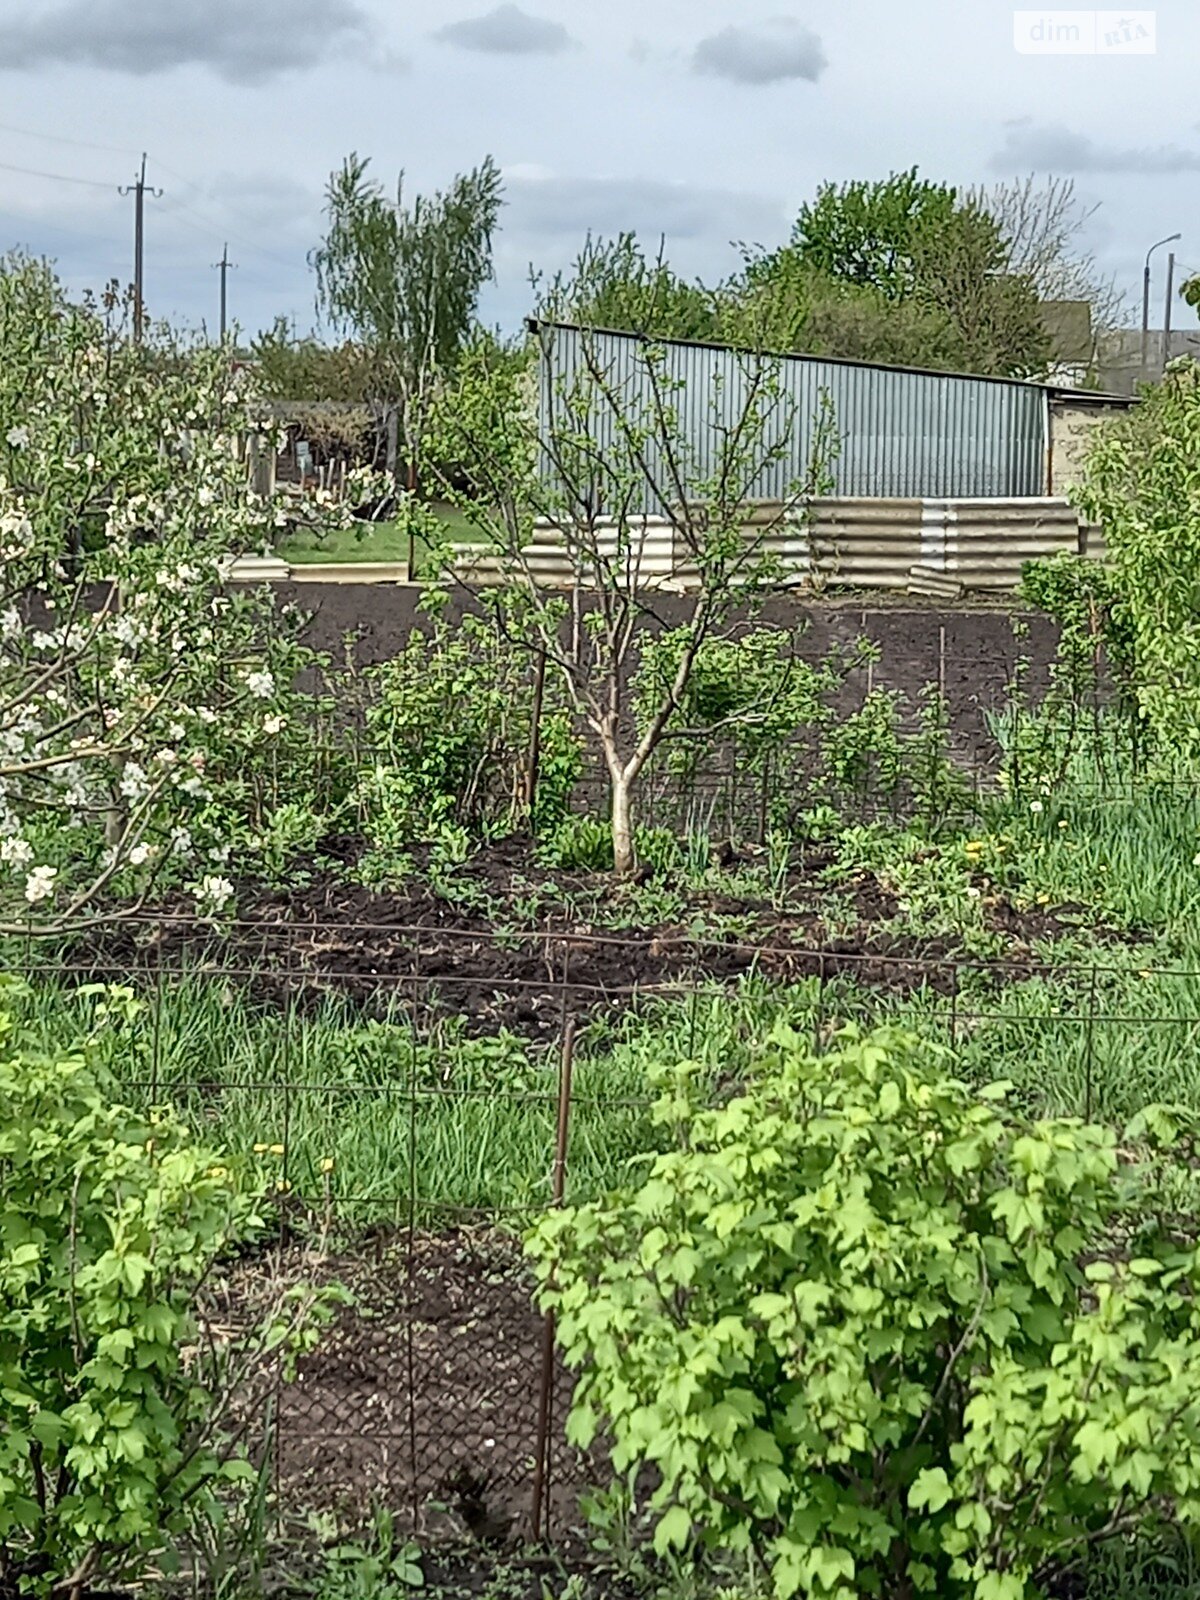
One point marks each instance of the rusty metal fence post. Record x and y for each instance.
(539, 1512)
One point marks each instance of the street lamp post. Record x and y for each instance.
(1170, 239)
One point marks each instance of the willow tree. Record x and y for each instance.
(404, 281)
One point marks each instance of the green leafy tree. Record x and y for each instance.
(886, 1335)
(875, 234)
(779, 302)
(307, 369)
(617, 286)
(862, 251)
(405, 280)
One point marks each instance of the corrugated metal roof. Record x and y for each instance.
(904, 431)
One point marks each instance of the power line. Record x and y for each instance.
(58, 138)
(220, 230)
(180, 210)
(56, 177)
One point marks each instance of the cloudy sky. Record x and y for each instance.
(707, 121)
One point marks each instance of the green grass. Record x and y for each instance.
(375, 541)
(1103, 1019)
(472, 1120)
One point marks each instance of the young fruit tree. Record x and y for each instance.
(630, 485)
(134, 681)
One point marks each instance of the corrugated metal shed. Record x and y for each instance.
(904, 432)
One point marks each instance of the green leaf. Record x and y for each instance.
(930, 1491)
(673, 1530)
(1000, 1586)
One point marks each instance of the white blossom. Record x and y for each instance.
(134, 783)
(207, 715)
(274, 724)
(260, 684)
(181, 841)
(213, 892)
(10, 623)
(18, 438)
(128, 630)
(140, 854)
(39, 885)
(15, 851)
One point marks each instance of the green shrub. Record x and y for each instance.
(885, 1334)
(115, 1425)
(584, 844)
(449, 735)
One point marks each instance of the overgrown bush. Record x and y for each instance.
(449, 739)
(887, 1335)
(116, 1398)
(1142, 486)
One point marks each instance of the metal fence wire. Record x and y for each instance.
(409, 1155)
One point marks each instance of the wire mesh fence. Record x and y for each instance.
(412, 1131)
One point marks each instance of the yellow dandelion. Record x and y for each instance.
(276, 1149)
(327, 1164)
(1043, 899)
(261, 1149)
(218, 1172)
(282, 1185)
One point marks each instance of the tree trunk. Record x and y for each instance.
(624, 859)
(392, 435)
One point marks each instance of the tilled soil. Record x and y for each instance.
(485, 958)
(424, 1396)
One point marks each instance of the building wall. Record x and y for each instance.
(901, 432)
(1073, 425)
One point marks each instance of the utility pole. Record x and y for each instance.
(223, 267)
(138, 190)
(1166, 344)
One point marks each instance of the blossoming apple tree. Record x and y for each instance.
(133, 678)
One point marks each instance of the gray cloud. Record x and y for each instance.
(1052, 148)
(572, 207)
(773, 53)
(243, 43)
(507, 31)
